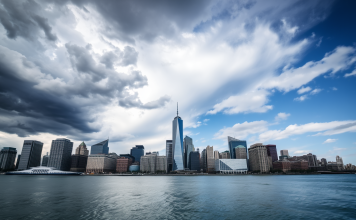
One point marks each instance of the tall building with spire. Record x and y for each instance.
(177, 143)
(82, 149)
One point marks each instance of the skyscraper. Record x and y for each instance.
(233, 143)
(78, 163)
(272, 151)
(210, 162)
(240, 152)
(60, 154)
(188, 147)
(216, 155)
(258, 158)
(284, 153)
(100, 148)
(45, 160)
(7, 158)
(203, 160)
(169, 154)
(177, 140)
(137, 152)
(30, 155)
(18, 161)
(82, 149)
(194, 161)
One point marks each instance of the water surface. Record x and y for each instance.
(178, 197)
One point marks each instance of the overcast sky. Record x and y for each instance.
(276, 72)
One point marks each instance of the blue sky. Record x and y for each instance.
(277, 72)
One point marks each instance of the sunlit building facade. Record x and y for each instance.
(177, 144)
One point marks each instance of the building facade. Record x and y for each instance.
(231, 166)
(283, 165)
(240, 152)
(194, 161)
(161, 164)
(101, 163)
(78, 163)
(272, 152)
(123, 164)
(18, 161)
(153, 163)
(233, 143)
(7, 158)
(210, 161)
(82, 150)
(137, 152)
(188, 147)
(284, 153)
(177, 144)
(30, 155)
(45, 160)
(225, 155)
(100, 148)
(60, 154)
(169, 155)
(203, 160)
(258, 158)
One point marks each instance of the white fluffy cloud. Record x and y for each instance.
(304, 90)
(353, 73)
(241, 131)
(282, 116)
(329, 140)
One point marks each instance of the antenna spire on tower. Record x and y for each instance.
(177, 108)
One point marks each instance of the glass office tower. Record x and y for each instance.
(60, 154)
(169, 155)
(177, 147)
(233, 143)
(188, 147)
(30, 155)
(100, 148)
(137, 152)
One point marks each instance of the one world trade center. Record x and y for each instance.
(177, 143)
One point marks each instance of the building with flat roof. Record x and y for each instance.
(30, 155)
(7, 158)
(78, 163)
(225, 155)
(258, 158)
(231, 166)
(100, 148)
(101, 163)
(203, 160)
(169, 155)
(210, 161)
(153, 164)
(272, 151)
(194, 163)
(284, 153)
(188, 147)
(240, 152)
(123, 164)
(45, 160)
(60, 154)
(137, 152)
(283, 165)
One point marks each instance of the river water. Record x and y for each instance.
(178, 197)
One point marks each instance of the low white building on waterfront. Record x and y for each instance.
(101, 163)
(233, 166)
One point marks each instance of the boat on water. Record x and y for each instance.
(42, 171)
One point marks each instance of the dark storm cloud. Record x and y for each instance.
(32, 101)
(20, 18)
(133, 101)
(122, 58)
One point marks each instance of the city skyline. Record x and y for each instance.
(84, 72)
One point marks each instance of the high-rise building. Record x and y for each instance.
(153, 163)
(101, 163)
(258, 158)
(340, 163)
(272, 151)
(284, 153)
(177, 141)
(216, 154)
(60, 154)
(233, 143)
(137, 152)
(123, 164)
(7, 158)
(225, 155)
(210, 162)
(45, 160)
(169, 155)
(30, 155)
(82, 149)
(203, 160)
(312, 160)
(100, 148)
(78, 163)
(324, 162)
(240, 152)
(188, 147)
(18, 161)
(194, 161)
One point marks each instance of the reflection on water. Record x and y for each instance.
(178, 197)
